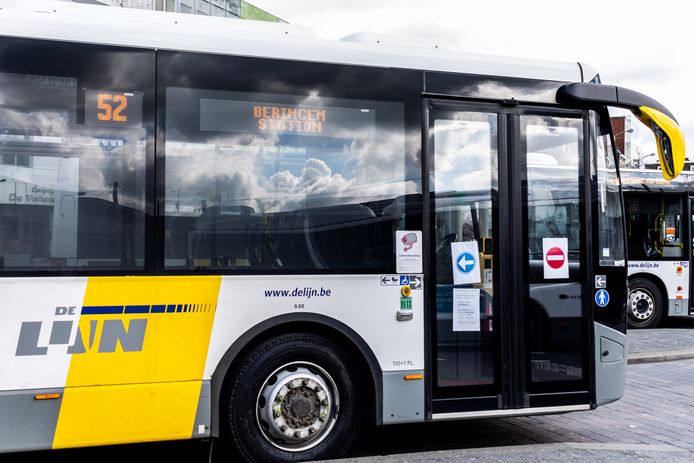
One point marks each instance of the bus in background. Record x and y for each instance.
(659, 245)
(219, 229)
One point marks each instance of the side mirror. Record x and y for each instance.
(669, 136)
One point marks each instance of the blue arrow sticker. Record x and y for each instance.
(465, 262)
(602, 297)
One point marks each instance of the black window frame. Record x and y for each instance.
(84, 62)
(614, 315)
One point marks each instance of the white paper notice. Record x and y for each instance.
(466, 262)
(408, 251)
(488, 279)
(555, 253)
(466, 309)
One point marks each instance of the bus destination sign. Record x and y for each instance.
(112, 109)
(220, 115)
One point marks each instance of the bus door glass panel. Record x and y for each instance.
(611, 244)
(554, 308)
(691, 252)
(671, 229)
(464, 180)
(654, 226)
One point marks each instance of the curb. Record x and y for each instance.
(660, 356)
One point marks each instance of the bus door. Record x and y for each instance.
(690, 257)
(509, 309)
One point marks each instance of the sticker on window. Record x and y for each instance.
(556, 258)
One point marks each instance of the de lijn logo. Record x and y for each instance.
(112, 332)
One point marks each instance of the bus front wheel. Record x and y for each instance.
(295, 398)
(645, 305)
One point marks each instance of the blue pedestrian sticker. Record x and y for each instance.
(602, 298)
(404, 280)
(466, 262)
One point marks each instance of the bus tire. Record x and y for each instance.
(645, 304)
(295, 397)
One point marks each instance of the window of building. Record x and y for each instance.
(202, 7)
(185, 6)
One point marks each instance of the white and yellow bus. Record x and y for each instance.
(215, 228)
(660, 220)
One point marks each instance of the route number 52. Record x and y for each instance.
(111, 107)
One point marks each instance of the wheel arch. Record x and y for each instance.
(656, 280)
(662, 312)
(318, 324)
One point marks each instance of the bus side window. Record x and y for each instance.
(292, 180)
(654, 226)
(73, 186)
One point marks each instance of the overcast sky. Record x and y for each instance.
(638, 44)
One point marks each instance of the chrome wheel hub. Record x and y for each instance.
(297, 406)
(641, 304)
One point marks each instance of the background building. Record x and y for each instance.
(622, 129)
(222, 8)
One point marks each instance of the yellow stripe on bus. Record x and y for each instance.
(136, 368)
(103, 415)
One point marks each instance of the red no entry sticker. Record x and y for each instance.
(555, 257)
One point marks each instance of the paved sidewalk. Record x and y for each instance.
(545, 453)
(653, 423)
(675, 341)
